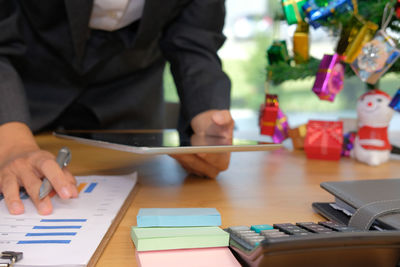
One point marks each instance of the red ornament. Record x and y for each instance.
(324, 140)
(398, 9)
(269, 114)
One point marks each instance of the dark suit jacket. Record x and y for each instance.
(49, 59)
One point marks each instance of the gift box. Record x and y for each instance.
(319, 10)
(298, 135)
(278, 52)
(293, 10)
(375, 58)
(324, 140)
(395, 103)
(330, 77)
(301, 43)
(353, 36)
(281, 128)
(269, 115)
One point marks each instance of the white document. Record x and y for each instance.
(71, 235)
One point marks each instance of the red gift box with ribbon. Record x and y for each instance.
(269, 114)
(324, 140)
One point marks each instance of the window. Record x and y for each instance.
(250, 29)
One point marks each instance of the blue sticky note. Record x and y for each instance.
(178, 217)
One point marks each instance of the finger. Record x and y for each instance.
(72, 181)
(219, 160)
(179, 159)
(188, 169)
(63, 184)
(10, 189)
(32, 185)
(198, 165)
(223, 124)
(222, 117)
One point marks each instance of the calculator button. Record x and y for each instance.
(270, 231)
(254, 241)
(238, 228)
(274, 234)
(249, 235)
(260, 227)
(315, 228)
(290, 229)
(337, 226)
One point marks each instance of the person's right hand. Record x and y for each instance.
(23, 163)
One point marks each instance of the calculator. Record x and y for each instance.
(313, 244)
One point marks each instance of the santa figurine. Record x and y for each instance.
(371, 144)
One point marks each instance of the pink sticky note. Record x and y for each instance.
(201, 257)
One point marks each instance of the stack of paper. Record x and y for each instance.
(179, 237)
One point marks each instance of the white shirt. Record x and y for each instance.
(111, 15)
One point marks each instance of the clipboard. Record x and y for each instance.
(78, 231)
(97, 254)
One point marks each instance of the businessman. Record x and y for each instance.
(98, 64)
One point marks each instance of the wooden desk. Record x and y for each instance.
(258, 187)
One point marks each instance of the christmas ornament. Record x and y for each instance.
(278, 52)
(293, 10)
(269, 114)
(298, 135)
(317, 11)
(397, 7)
(324, 140)
(301, 45)
(348, 143)
(354, 36)
(281, 128)
(395, 104)
(375, 58)
(371, 144)
(330, 77)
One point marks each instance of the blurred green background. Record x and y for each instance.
(248, 78)
(247, 71)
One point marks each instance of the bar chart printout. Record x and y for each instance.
(70, 235)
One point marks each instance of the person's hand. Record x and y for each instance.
(23, 163)
(211, 123)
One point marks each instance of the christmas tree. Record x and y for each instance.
(368, 47)
(346, 19)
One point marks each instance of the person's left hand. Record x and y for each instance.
(217, 123)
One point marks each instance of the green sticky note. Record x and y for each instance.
(163, 238)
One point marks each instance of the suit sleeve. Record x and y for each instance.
(13, 104)
(190, 43)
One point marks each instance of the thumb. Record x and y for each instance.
(222, 117)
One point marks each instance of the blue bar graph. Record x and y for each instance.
(58, 227)
(23, 195)
(51, 234)
(63, 220)
(44, 242)
(90, 188)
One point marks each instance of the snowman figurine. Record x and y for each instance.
(371, 144)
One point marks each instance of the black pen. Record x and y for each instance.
(63, 158)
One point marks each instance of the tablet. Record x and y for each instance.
(163, 142)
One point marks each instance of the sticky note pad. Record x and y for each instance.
(200, 257)
(163, 238)
(178, 217)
